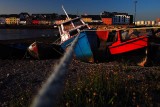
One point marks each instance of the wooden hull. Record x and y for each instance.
(40, 50)
(87, 43)
(129, 45)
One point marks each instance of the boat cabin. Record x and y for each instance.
(71, 28)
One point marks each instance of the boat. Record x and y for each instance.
(123, 42)
(87, 40)
(41, 50)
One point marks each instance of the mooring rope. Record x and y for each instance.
(51, 90)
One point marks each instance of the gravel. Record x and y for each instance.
(20, 80)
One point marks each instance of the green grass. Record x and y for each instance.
(115, 88)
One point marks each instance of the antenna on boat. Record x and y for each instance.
(65, 12)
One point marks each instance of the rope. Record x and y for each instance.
(53, 86)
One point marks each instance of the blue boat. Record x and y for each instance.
(83, 49)
(87, 40)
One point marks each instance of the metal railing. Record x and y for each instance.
(52, 88)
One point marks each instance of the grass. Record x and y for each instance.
(117, 87)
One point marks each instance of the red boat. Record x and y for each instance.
(132, 42)
(121, 41)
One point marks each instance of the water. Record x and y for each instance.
(8, 34)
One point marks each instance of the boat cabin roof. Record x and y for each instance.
(71, 21)
(72, 24)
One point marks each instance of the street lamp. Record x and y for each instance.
(135, 2)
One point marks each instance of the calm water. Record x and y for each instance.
(6, 34)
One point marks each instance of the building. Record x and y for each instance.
(3, 19)
(12, 19)
(116, 18)
(86, 18)
(121, 18)
(25, 18)
(106, 18)
(92, 19)
(145, 23)
(158, 21)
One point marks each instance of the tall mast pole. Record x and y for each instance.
(65, 12)
(67, 16)
(135, 2)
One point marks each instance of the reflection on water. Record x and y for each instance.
(6, 34)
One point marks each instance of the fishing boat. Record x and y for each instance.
(41, 50)
(126, 43)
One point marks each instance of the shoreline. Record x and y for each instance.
(28, 27)
(96, 26)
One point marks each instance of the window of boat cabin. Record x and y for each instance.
(73, 32)
(77, 22)
(68, 26)
(129, 34)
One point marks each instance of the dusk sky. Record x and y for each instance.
(146, 9)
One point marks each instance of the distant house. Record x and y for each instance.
(116, 18)
(158, 21)
(106, 18)
(43, 19)
(48, 19)
(35, 19)
(12, 19)
(3, 19)
(86, 18)
(25, 19)
(121, 18)
(92, 19)
(146, 23)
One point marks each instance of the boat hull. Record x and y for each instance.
(130, 45)
(40, 50)
(87, 43)
(102, 34)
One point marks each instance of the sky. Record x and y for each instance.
(145, 9)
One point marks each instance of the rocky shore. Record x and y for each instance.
(20, 80)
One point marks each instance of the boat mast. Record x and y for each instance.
(65, 12)
(67, 16)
